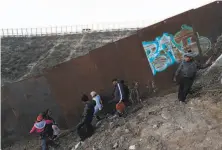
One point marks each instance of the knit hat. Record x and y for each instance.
(93, 93)
(39, 118)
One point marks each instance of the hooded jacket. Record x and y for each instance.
(189, 69)
(88, 113)
(39, 127)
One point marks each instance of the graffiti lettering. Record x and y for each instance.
(168, 49)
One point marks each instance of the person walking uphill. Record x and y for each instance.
(85, 128)
(119, 96)
(47, 115)
(126, 92)
(99, 106)
(43, 127)
(187, 72)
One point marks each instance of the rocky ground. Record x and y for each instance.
(161, 124)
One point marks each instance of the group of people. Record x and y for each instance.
(47, 128)
(186, 72)
(94, 106)
(122, 97)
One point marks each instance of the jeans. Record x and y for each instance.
(43, 143)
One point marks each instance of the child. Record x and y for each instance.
(98, 106)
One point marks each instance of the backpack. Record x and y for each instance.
(48, 131)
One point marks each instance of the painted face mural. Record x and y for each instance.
(168, 49)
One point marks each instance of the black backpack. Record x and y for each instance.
(48, 131)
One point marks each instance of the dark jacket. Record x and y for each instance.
(88, 113)
(119, 93)
(126, 91)
(48, 131)
(189, 69)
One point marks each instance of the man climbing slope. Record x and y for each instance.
(119, 95)
(187, 72)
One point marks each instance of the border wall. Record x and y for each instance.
(61, 87)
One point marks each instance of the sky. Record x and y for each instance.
(46, 13)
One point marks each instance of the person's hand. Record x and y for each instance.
(174, 79)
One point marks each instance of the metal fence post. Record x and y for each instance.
(12, 32)
(22, 31)
(17, 31)
(27, 32)
(3, 32)
(36, 31)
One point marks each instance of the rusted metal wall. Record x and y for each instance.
(69, 81)
(61, 87)
(108, 64)
(207, 21)
(133, 62)
(22, 102)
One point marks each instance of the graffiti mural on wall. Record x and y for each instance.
(168, 49)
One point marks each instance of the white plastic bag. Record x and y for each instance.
(56, 129)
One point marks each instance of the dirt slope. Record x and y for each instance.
(160, 124)
(24, 57)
